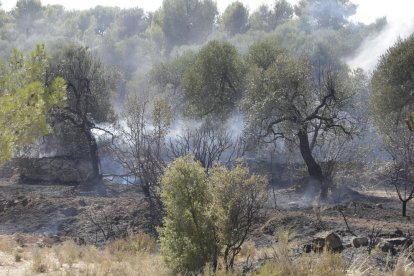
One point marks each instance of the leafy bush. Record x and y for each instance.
(207, 216)
(237, 199)
(187, 239)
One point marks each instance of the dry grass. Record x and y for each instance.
(7, 244)
(404, 266)
(138, 255)
(282, 262)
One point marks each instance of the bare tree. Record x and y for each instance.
(209, 144)
(401, 148)
(404, 184)
(138, 145)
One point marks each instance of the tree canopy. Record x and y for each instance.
(25, 100)
(90, 86)
(187, 241)
(212, 84)
(267, 19)
(326, 13)
(185, 21)
(392, 95)
(235, 18)
(292, 99)
(208, 216)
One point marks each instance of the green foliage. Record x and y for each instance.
(90, 84)
(306, 103)
(25, 100)
(187, 242)
(237, 200)
(271, 88)
(328, 13)
(235, 18)
(392, 86)
(283, 88)
(410, 121)
(261, 19)
(161, 116)
(26, 12)
(267, 19)
(169, 74)
(282, 12)
(263, 55)
(104, 17)
(212, 85)
(185, 21)
(132, 22)
(207, 216)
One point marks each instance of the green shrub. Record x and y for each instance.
(237, 199)
(207, 216)
(187, 240)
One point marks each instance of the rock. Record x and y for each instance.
(316, 245)
(333, 242)
(387, 247)
(360, 241)
(379, 205)
(330, 240)
(61, 169)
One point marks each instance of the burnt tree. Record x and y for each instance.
(139, 146)
(210, 144)
(89, 88)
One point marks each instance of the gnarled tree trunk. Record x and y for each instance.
(314, 169)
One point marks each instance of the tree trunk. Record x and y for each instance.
(314, 169)
(93, 154)
(404, 208)
(226, 256)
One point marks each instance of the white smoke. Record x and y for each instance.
(400, 25)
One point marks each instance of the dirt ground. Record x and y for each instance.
(65, 211)
(55, 213)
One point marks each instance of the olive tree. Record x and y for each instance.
(301, 103)
(212, 84)
(391, 103)
(89, 89)
(267, 19)
(392, 96)
(235, 18)
(185, 21)
(402, 174)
